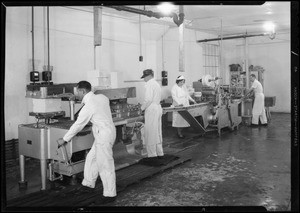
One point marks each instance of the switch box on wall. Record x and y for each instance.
(164, 76)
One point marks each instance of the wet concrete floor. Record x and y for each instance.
(245, 167)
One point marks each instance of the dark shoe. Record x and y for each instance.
(266, 124)
(87, 189)
(105, 200)
(254, 125)
(180, 136)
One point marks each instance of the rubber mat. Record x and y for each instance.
(158, 161)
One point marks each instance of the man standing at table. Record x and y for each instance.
(258, 110)
(153, 114)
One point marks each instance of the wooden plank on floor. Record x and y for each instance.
(75, 196)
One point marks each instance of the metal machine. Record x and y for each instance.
(224, 110)
(215, 108)
(196, 115)
(39, 140)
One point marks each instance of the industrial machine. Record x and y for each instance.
(39, 140)
(224, 110)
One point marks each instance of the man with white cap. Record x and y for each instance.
(258, 110)
(180, 97)
(153, 114)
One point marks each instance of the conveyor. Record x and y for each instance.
(190, 113)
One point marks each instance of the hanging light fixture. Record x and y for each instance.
(270, 28)
(166, 8)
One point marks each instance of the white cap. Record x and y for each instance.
(180, 77)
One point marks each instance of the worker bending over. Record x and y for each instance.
(99, 160)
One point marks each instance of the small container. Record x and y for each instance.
(34, 76)
(46, 76)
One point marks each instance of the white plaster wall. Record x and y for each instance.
(71, 54)
(193, 59)
(274, 56)
(17, 50)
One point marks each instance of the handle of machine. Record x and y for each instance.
(64, 152)
(60, 145)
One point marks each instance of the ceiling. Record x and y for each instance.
(220, 19)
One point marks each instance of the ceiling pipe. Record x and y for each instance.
(142, 12)
(32, 35)
(140, 36)
(48, 41)
(231, 37)
(177, 21)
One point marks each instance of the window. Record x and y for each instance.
(211, 59)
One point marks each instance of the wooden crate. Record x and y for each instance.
(270, 101)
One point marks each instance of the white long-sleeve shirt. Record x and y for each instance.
(256, 85)
(96, 109)
(180, 95)
(152, 94)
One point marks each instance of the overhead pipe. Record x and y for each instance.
(34, 75)
(48, 39)
(181, 46)
(142, 12)
(179, 21)
(140, 34)
(231, 37)
(149, 13)
(32, 33)
(47, 69)
(221, 51)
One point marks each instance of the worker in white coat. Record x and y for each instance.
(99, 160)
(258, 110)
(153, 114)
(181, 97)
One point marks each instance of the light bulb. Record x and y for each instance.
(166, 7)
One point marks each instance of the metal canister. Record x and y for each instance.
(34, 76)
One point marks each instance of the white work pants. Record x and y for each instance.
(100, 161)
(258, 111)
(153, 131)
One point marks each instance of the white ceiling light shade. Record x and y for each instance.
(166, 8)
(269, 27)
(269, 12)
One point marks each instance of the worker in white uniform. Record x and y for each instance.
(258, 110)
(99, 160)
(181, 97)
(153, 114)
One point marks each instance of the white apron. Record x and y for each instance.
(153, 132)
(258, 110)
(180, 96)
